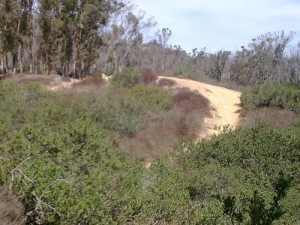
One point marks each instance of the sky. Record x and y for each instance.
(222, 24)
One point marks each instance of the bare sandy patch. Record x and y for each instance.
(225, 104)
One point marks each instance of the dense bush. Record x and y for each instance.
(239, 162)
(282, 95)
(131, 109)
(64, 164)
(147, 76)
(127, 78)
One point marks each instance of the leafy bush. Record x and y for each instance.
(238, 162)
(63, 162)
(152, 97)
(282, 95)
(130, 110)
(127, 78)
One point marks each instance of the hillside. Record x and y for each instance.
(76, 153)
(224, 104)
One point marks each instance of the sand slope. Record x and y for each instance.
(224, 103)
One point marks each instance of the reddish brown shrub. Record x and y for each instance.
(148, 76)
(185, 119)
(11, 210)
(91, 80)
(45, 80)
(274, 116)
(166, 82)
(189, 100)
(66, 79)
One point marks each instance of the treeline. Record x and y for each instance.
(48, 36)
(269, 58)
(64, 36)
(77, 38)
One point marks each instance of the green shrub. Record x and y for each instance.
(152, 97)
(127, 78)
(64, 165)
(281, 95)
(239, 162)
(130, 110)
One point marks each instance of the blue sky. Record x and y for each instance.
(222, 24)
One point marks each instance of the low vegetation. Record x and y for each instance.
(67, 160)
(245, 168)
(130, 110)
(281, 95)
(123, 150)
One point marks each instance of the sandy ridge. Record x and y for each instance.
(224, 103)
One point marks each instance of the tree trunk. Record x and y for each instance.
(20, 59)
(15, 61)
(31, 64)
(2, 64)
(6, 63)
(31, 37)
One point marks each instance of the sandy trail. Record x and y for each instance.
(224, 103)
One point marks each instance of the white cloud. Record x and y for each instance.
(222, 24)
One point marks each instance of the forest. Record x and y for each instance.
(81, 156)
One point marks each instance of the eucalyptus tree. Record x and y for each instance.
(70, 33)
(91, 16)
(124, 38)
(26, 33)
(263, 61)
(216, 63)
(9, 26)
(48, 12)
(293, 64)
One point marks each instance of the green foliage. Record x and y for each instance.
(282, 95)
(154, 98)
(65, 167)
(238, 162)
(62, 160)
(167, 193)
(184, 71)
(131, 109)
(127, 78)
(231, 210)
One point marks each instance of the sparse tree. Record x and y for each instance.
(216, 64)
(263, 61)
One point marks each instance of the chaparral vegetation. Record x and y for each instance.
(120, 143)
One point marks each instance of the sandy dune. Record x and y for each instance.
(224, 102)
